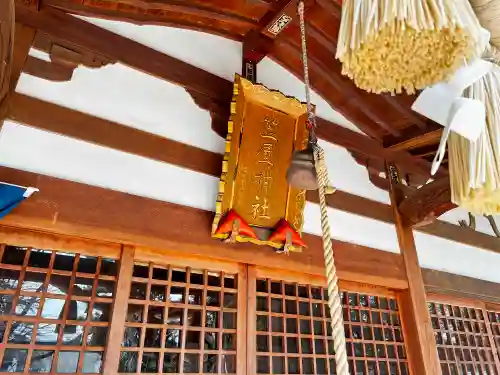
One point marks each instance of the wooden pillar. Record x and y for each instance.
(120, 306)
(14, 56)
(7, 21)
(419, 337)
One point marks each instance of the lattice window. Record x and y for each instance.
(54, 310)
(494, 318)
(294, 332)
(462, 340)
(180, 321)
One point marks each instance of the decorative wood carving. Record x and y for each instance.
(68, 56)
(264, 130)
(427, 203)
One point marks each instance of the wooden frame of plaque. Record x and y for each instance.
(264, 130)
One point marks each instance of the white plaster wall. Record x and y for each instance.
(120, 94)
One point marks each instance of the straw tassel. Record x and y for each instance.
(396, 45)
(475, 166)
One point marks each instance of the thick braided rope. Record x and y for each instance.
(334, 302)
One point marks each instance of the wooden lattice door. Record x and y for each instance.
(463, 336)
(55, 310)
(289, 328)
(184, 320)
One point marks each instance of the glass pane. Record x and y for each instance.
(14, 360)
(87, 264)
(39, 258)
(27, 306)
(41, 361)
(191, 363)
(156, 314)
(150, 362)
(128, 362)
(212, 341)
(210, 364)
(33, 282)
(67, 362)
(20, 333)
(9, 279)
(131, 337)
(83, 287)
(171, 363)
(173, 338)
(160, 274)
(157, 293)
(14, 255)
(92, 362)
(109, 267)
(47, 334)
(64, 261)
(101, 312)
(59, 285)
(97, 336)
(134, 313)
(53, 308)
(5, 304)
(153, 338)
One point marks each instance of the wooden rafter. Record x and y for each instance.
(218, 90)
(394, 112)
(87, 128)
(75, 31)
(426, 139)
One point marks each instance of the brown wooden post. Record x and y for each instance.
(7, 21)
(120, 306)
(17, 40)
(421, 344)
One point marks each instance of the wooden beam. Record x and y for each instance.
(53, 118)
(426, 204)
(117, 48)
(90, 212)
(444, 283)
(413, 304)
(430, 138)
(78, 125)
(48, 70)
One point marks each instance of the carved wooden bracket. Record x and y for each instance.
(64, 59)
(427, 203)
(219, 111)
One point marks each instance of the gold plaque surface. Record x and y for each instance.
(264, 130)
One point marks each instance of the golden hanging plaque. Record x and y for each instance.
(255, 203)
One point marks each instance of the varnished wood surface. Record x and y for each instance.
(426, 204)
(64, 121)
(94, 213)
(422, 347)
(7, 21)
(377, 115)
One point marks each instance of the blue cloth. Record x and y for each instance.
(11, 196)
